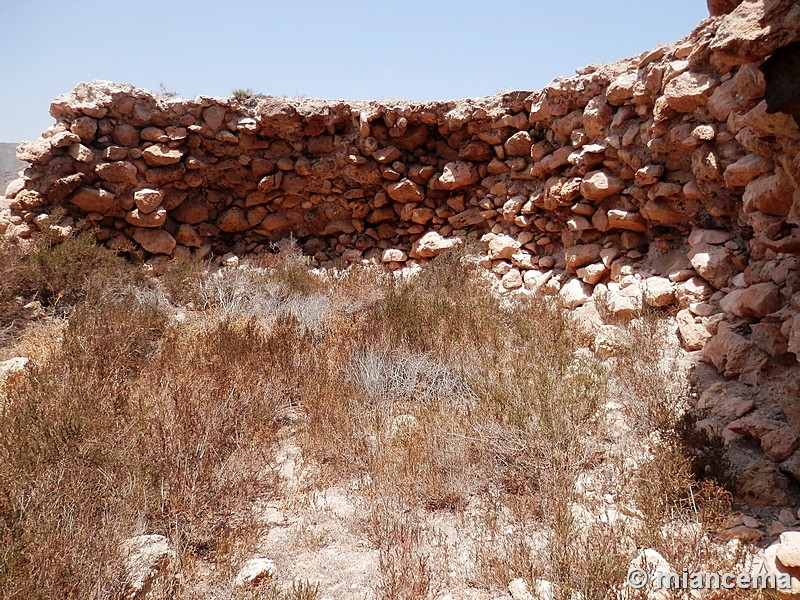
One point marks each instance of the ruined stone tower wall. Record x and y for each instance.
(666, 179)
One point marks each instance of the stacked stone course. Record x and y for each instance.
(665, 179)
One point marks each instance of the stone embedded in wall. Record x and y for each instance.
(432, 244)
(457, 175)
(758, 300)
(93, 200)
(722, 7)
(155, 241)
(688, 91)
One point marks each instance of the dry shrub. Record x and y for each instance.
(57, 274)
(64, 511)
(182, 280)
(388, 376)
(290, 268)
(61, 273)
(501, 399)
(677, 502)
(645, 369)
(440, 309)
(132, 426)
(597, 560)
(12, 267)
(259, 293)
(505, 399)
(213, 414)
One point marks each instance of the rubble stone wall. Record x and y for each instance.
(665, 179)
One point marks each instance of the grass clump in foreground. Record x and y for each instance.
(427, 397)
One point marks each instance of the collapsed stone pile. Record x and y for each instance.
(669, 179)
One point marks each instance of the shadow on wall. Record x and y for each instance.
(782, 78)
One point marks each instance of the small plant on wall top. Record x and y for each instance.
(242, 93)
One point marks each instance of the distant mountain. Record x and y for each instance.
(9, 165)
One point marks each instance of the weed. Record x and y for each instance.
(300, 590)
(129, 426)
(242, 94)
(182, 280)
(166, 91)
(404, 568)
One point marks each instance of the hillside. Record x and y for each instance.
(9, 164)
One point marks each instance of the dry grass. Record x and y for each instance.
(302, 590)
(130, 426)
(404, 561)
(430, 394)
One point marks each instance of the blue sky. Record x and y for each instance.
(416, 50)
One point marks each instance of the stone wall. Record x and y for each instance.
(665, 179)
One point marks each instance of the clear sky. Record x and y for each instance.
(354, 49)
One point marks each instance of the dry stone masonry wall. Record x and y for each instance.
(670, 179)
